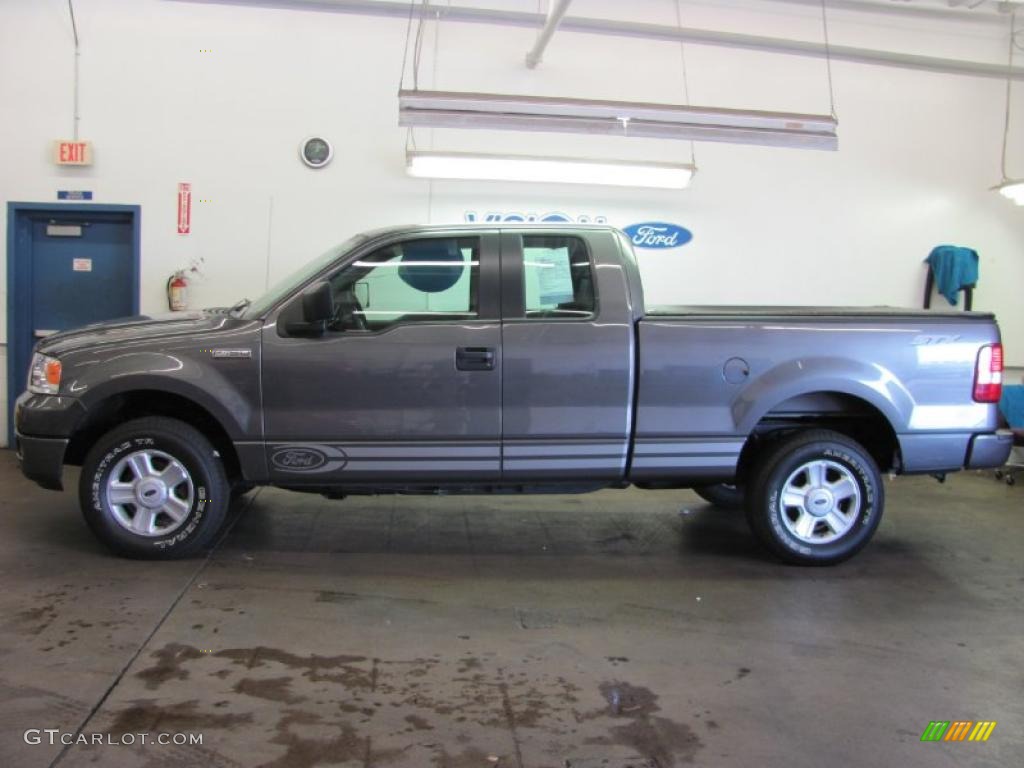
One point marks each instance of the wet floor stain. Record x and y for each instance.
(418, 723)
(469, 758)
(147, 715)
(168, 666)
(306, 745)
(273, 689)
(371, 711)
(634, 723)
(36, 619)
(740, 674)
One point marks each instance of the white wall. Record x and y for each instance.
(918, 151)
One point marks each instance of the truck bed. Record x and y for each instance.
(709, 375)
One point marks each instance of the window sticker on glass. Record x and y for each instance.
(551, 274)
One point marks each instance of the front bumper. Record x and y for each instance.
(989, 450)
(42, 426)
(42, 459)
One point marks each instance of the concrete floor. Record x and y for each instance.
(617, 629)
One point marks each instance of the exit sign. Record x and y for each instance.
(72, 152)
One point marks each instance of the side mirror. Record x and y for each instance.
(318, 303)
(317, 311)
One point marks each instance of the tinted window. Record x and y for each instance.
(423, 280)
(557, 278)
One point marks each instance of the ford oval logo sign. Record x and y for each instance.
(658, 234)
(298, 459)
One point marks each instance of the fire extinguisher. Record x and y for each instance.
(177, 292)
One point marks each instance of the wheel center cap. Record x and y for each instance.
(820, 502)
(151, 493)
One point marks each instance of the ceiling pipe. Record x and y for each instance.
(555, 15)
(611, 27)
(990, 14)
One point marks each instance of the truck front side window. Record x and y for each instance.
(424, 280)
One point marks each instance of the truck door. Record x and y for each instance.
(567, 349)
(405, 385)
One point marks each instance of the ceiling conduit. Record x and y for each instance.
(617, 28)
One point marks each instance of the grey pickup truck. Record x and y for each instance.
(506, 359)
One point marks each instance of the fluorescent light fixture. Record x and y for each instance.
(559, 170)
(442, 109)
(1012, 189)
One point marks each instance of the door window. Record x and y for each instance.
(557, 278)
(424, 280)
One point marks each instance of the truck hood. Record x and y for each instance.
(137, 328)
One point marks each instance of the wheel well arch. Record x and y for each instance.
(124, 406)
(841, 412)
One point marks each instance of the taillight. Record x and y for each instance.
(988, 374)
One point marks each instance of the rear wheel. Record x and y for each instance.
(154, 488)
(723, 495)
(816, 498)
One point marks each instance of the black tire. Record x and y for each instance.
(202, 498)
(722, 495)
(835, 456)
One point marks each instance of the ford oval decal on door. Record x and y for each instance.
(294, 457)
(658, 234)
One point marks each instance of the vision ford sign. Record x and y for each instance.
(646, 234)
(551, 217)
(658, 234)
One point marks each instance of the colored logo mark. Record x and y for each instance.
(958, 730)
(658, 234)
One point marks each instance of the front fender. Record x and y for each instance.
(870, 382)
(228, 390)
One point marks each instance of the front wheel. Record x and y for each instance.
(816, 498)
(154, 488)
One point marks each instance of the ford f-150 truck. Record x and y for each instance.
(506, 359)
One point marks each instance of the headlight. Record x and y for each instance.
(44, 375)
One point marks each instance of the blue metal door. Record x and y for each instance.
(82, 278)
(67, 267)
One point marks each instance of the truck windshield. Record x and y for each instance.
(284, 287)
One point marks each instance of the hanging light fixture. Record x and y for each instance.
(1012, 189)
(560, 170)
(490, 111)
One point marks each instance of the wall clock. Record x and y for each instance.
(316, 152)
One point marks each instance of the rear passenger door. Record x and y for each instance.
(566, 357)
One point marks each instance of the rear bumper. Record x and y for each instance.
(42, 459)
(930, 452)
(989, 450)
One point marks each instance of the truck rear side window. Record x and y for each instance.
(558, 281)
(423, 280)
